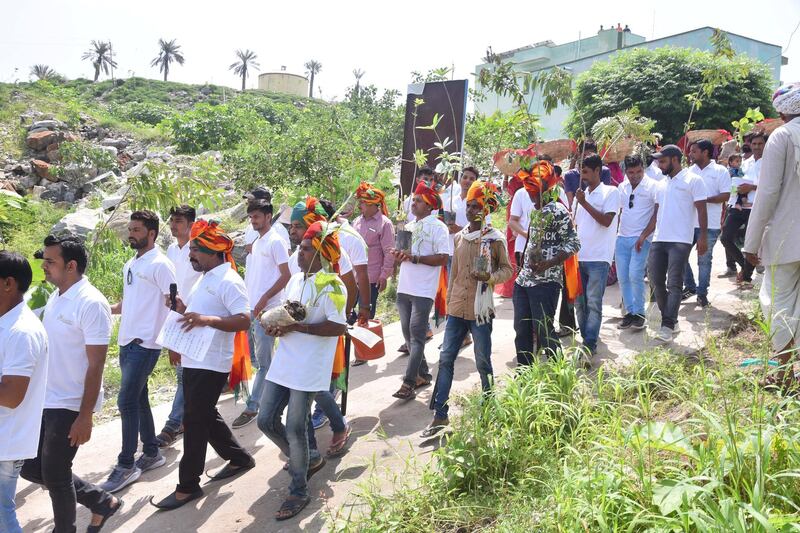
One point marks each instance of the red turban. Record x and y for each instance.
(429, 195)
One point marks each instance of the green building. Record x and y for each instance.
(578, 56)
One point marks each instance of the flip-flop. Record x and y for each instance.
(316, 468)
(292, 507)
(432, 430)
(111, 512)
(337, 448)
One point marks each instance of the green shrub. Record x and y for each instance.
(209, 127)
(84, 154)
(142, 112)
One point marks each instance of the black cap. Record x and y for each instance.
(669, 150)
(259, 193)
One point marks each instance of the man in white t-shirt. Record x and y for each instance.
(420, 282)
(595, 211)
(265, 277)
(79, 317)
(718, 188)
(303, 363)
(181, 219)
(519, 219)
(679, 196)
(23, 375)
(146, 279)
(218, 301)
(424, 174)
(637, 220)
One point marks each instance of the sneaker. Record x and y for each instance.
(146, 462)
(687, 293)
(638, 322)
(318, 419)
(120, 478)
(243, 419)
(677, 329)
(703, 301)
(626, 322)
(664, 335)
(729, 273)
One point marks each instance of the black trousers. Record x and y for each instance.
(203, 425)
(734, 222)
(566, 314)
(52, 468)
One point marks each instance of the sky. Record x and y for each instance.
(386, 39)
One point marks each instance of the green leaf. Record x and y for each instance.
(669, 495)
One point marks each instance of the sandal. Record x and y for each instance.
(435, 427)
(422, 382)
(111, 511)
(406, 392)
(291, 507)
(337, 445)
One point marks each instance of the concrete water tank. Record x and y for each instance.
(283, 82)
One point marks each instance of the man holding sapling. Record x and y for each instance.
(480, 260)
(304, 360)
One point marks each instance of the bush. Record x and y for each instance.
(209, 127)
(84, 154)
(142, 112)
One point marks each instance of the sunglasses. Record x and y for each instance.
(130, 277)
(630, 202)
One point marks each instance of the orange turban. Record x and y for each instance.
(485, 193)
(541, 177)
(429, 195)
(372, 195)
(325, 240)
(309, 211)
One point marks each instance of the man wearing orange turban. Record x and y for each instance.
(371, 195)
(217, 301)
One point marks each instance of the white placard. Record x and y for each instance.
(193, 344)
(364, 335)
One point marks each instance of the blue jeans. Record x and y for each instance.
(534, 312)
(454, 333)
(703, 265)
(589, 305)
(631, 266)
(326, 402)
(294, 439)
(263, 344)
(9, 472)
(175, 418)
(665, 266)
(136, 364)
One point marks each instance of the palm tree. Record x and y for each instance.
(313, 67)
(358, 73)
(43, 72)
(100, 56)
(169, 51)
(247, 60)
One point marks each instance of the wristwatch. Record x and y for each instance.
(415, 259)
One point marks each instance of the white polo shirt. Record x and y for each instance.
(597, 241)
(429, 236)
(185, 275)
(521, 206)
(352, 243)
(220, 292)
(250, 236)
(302, 361)
(717, 180)
(23, 352)
(751, 169)
(633, 220)
(145, 282)
(345, 265)
(676, 211)
(79, 317)
(269, 251)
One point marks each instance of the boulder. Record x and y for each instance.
(53, 155)
(110, 202)
(77, 175)
(57, 192)
(27, 182)
(138, 156)
(80, 223)
(95, 182)
(110, 149)
(37, 191)
(119, 144)
(39, 141)
(216, 155)
(42, 169)
(46, 124)
(238, 252)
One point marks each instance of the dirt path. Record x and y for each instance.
(386, 434)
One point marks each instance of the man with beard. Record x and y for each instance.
(145, 281)
(218, 301)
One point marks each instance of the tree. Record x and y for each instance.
(358, 74)
(43, 72)
(100, 55)
(169, 51)
(662, 84)
(313, 67)
(247, 60)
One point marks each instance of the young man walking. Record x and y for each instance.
(595, 210)
(23, 376)
(266, 275)
(717, 181)
(180, 225)
(680, 197)
(218, 301)
(303, 362)
(637, 199)
(470, 305)
(146, 279)
(79, 316)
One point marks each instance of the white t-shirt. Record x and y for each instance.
(345, 265)
(459, 207)
(751, 169)
(717, 181)
(185, 275)
(269, 251)
(250, 236)
(352, 243)
(521, 206)
(597, 241)
(220, 292)
(429, 236)
(79, 317)
(633, 220)
(302, 361)
(145, 282)
(676, 211)
(23, 352)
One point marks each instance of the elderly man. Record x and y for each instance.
(304, 360)
(376, 229)
(771, 236)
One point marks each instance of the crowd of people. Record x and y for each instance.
(568, 237)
